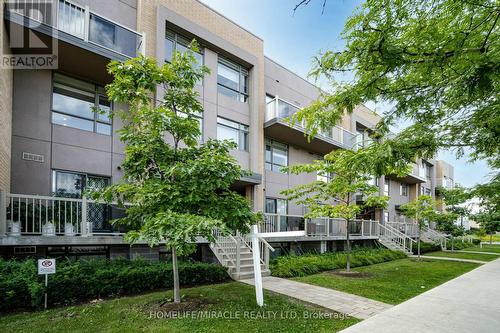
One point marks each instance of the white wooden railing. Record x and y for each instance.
(32, 215)
(433, 236)
(327, 227)
(394, 236)
(407, 228)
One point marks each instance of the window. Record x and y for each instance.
(425, 190)
(276, 206)
(324, 176)
(403, 190)
(72, 184)
(230, 130)
(232, 80)
(386, 187)
(428, 171)
(74, 103)
(276, 155)
(386, 216)
(175, 42)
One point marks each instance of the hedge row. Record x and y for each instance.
(426, 247)
(21, 287)
(292, 265)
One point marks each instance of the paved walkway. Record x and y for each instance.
(452, 259)
(468, 303)
(353, 305)
(477, 252)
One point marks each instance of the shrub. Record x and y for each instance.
(21, 287)
(459, 245)
(292, 265)
(426, 247)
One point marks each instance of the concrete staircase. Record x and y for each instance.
(235, 253)
(393, 239)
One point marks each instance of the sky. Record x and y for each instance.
(294, 38)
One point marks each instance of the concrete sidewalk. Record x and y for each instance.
(353, 305)
(468, 303)
(451, 259)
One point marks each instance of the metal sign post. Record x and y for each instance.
(256, 266)
(256, 256)
(46, 267)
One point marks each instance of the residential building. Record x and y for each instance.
(54, 147)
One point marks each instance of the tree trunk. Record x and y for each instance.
(418, 240)
(348, 257)
(175, 267)
(452, 243)
(491, 238)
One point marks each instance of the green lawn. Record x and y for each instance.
(462, 255)
(139, 313)
(485, 248)
(395, 281)
(495, 238)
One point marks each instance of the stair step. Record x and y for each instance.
(249, 275)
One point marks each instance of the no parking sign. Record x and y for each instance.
(46, 266)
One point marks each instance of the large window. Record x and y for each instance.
(230, 130)
(386, 187)
(81, 105)
(276, 155)
(276, 206)
(403, 190)
(72, 184)
(232, 80)
(175, 42)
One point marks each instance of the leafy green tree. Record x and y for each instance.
(489, 196)
(176, 188)
(437, 64)
(350, 175)
(422, 209)
(454, 199)
(445, 222)
(489, 221)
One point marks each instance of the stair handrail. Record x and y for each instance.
(396, 236)
(217, 241)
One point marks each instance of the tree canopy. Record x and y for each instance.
(437, 62)
(176, 187)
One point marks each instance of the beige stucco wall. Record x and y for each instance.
(5, 114)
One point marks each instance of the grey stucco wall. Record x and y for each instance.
(63, 148)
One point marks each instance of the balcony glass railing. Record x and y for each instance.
(279, 109)
(82, 23)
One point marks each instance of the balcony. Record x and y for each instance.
(277, 126)
(76, 25)
(319, 228)
(415, 176)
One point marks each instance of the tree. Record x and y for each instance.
(421, 209)
(489, 221)
(350, 174)
(445, 222)
(454, 199)
(176, 189)
(489, 196)
(435, 62)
